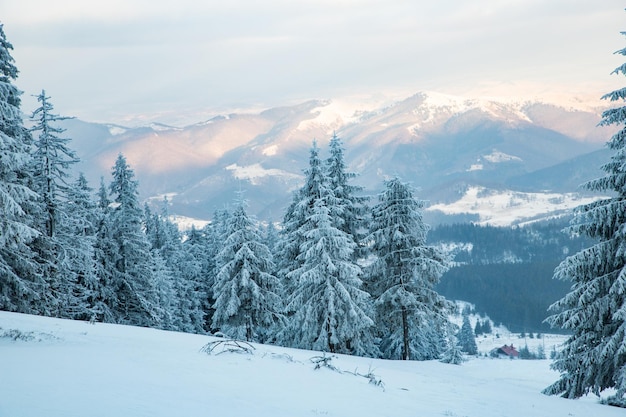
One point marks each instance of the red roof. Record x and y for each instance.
(509, 351)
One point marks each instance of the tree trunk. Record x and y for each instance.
(331, 346)
(405, 335)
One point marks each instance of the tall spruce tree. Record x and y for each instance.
(467, 340)
(135, 294)
(412, 316)
(21, 283)
(105, 254)
(295, 224)
(329, 308)
(594, 356)
(53, 159)
(196, 246)
(350, 211)
(185, 308)
(247, 302)
(76, 235)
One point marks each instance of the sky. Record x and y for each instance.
(136, 61)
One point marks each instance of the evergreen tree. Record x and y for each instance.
(76, 237)
(594, 356)
(53, 159)
(105, 254)
(201, 264)
(412, 316)
(330, 311)
(486, 327)
(271, 237)
(247, 303)
(466, 338)
(184, 307)
(349, 209)
(295, 220)
(136, 298)
(453, 354)
(21, 283)
(478, 328)
(55, 246)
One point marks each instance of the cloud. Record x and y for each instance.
(101, 59)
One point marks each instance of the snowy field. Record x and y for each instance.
(51, 367)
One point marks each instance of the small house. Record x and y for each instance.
(505, 351)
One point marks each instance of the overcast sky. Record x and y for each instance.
(127, 61)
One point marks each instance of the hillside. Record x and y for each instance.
(54, 367)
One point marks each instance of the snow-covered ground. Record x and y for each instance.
(505, 208)
(51, 367)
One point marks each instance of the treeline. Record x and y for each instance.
(67, 251)
(545, 241)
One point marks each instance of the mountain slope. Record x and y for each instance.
(443, 145)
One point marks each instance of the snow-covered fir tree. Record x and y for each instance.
(466, 337)
(105, 255)
(329, 308)
(53, 160)
(185, 308)
(271, 236)
(350, 210)
(247, 301)
(594, 356)
(196, 246)
(295, 224)
(136, 298)
(21, 283)
(166, 307)
(76, 235)
(204, 245)
(412, 317)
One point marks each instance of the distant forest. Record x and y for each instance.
(507, 272)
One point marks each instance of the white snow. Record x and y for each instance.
(59, 368)
(270, 150)
(504, 208)
(255, 171)
(185, 223)
(336, 113)
(115, 130)
(497, 157)
(476, 167)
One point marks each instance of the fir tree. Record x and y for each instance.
(57, 256)
(349, 209)
(105, 254)
(466, 338)
(478, 328)
(294, 222)
(594, 356)
(136, 299)
(21, 283)
(184, 307)
(201, 262)
(53, 159)
(76, 236)
(412, 316)
(247, 303)
(330, 311)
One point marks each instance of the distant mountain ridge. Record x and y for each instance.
(443, 145)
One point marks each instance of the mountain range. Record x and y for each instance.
(497, 161)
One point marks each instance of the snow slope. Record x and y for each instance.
(51, 367)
